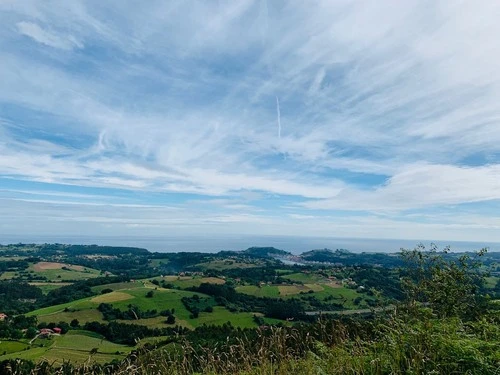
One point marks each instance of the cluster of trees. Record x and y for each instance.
(78, 290)
(132, 313)
(14, 328)
(21, 326)
(347, 258)
(226, 295)
(330, 303)
(13, 265)
(64, 326)
(385, 280)
(197, 304)
(182, 261)
(131, 334)
(16, 297)
(254, 275)
(131, 265)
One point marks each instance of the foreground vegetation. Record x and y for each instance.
(396, 344)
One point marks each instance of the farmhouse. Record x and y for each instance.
(45, 332)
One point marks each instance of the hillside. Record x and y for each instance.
(265, 252)
(147, 311)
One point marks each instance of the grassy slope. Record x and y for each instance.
(304, 277)
(56, 275)
(11, 346)
(66, 274)
(47, 287)
(491, 281)
(188, 281)
(7, 275)
(85, 310)
(229, 264)
(73, 346)
(221, 315)
(263, 291)
(320, 287)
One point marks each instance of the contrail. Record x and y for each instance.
(279, 117)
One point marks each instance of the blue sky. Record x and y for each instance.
(376, 119)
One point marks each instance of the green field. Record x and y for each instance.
(491, 281)
(7, 275)
(74, 346)
(259, 291)
(47, 287)
(345, 296)
(85, 310)
(83, 340)
(8, 346)
(80, 304)
(5, 259)
(301, 277)
(225, 264)
(221, 315)
(63, 272)
(83, 316)
(118, 286)
(342, 295)
(185, 282)
(53, 272)
(291, 290)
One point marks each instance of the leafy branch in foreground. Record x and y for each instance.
(448, 285)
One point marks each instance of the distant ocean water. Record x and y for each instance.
(295, 245)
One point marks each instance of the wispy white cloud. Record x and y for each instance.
(51, 39)
(421, 186)
(388, 107)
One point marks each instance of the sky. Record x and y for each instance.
(360, 119)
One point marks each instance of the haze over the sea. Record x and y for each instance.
(209, 243)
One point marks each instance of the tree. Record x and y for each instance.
(149, 294)
(74, 323)
(16, 334)
(31, 332)
(64, 327)
(170, 319)
(447, 284)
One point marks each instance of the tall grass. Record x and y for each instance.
(396, 344)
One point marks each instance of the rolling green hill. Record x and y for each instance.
(86, 309)
(74, 346)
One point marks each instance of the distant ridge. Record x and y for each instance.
(265, 252)
(325, 255)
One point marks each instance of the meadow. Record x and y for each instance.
(54, 271)
(74, 346)
(184, 282)
(226, 264)
(85, 310)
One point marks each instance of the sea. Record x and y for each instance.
(293, 244)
